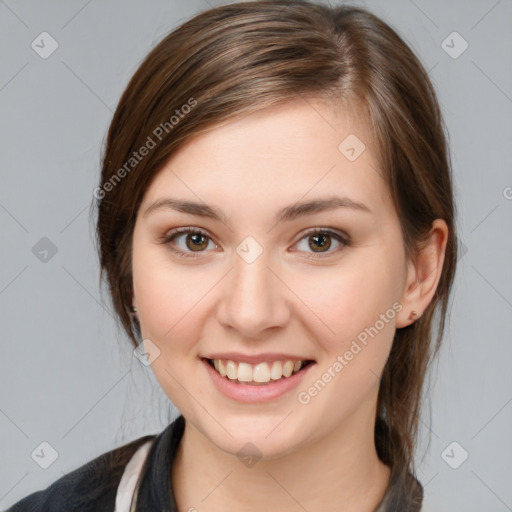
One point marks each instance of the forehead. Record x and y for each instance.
(299, 149)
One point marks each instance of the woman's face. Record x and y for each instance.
(255, 286)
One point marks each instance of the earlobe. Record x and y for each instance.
(423, 275)
(410, 300)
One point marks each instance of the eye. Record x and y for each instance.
(197, 240)
(319, 240)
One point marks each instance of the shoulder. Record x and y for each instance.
(91, 487)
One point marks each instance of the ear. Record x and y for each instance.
(423, 275)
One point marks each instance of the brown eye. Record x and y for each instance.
(196, 241)
(319, 242)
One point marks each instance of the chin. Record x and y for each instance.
(264, 436)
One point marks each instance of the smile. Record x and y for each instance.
(240, 379)
(256, 374)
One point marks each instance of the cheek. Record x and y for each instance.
(356, 303)
(354, 317)
(350, 296)
(167, 294)
(169, 305)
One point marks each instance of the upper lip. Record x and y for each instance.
(256, 358)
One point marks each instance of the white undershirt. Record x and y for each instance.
(129, 479)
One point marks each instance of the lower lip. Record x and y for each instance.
(250, 393)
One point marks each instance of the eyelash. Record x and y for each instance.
(170, 237)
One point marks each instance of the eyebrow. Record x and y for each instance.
(286, 214)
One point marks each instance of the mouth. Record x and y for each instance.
(260, 374)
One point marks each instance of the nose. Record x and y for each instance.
(254, 298)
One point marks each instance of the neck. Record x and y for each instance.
(341, 468)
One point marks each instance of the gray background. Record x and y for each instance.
(70, 379)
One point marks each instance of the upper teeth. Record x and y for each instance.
(260, 372)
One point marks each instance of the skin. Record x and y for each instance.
(314, 454)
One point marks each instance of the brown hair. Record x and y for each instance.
(235, 59)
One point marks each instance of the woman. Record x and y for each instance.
(276, 228)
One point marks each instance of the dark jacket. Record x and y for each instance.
(93, 486)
